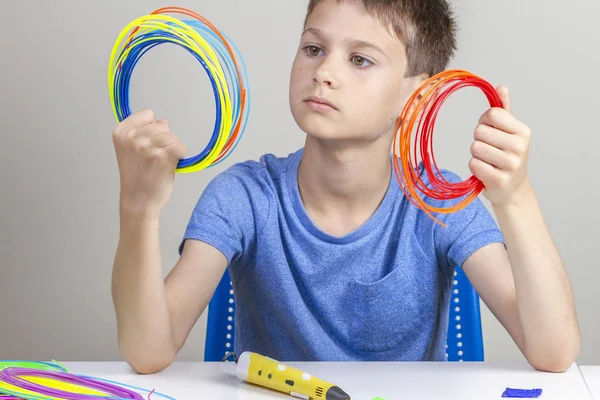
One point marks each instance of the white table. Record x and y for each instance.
(362, 381)
(591, 375)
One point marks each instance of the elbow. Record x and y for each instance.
(147, 365)
(552, 364)
(149, 362)
(556, 359)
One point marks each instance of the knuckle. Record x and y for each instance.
(176, 142)
(119, 130)
(520, 147)
(479, 131)
(162, 157)
(473, 163)
(116, 136)
(495, 113)
(116, 132)
(158, 153)
(131, 134)
(173, 139)
(155, 154)
(179, 152)
(146, 113)
(514, 163)
(143, 144)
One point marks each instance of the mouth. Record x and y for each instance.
(320, 104)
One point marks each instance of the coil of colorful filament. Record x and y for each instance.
(46, 384)
(419, 116)
(38, 365)
(217, 54)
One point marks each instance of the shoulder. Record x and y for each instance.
(248, 186)
(253, 176)
(466, 229)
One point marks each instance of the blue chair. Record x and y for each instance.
(465, 336)
(464, 342)
(219, 326)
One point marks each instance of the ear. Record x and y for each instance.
(410, 86)
(418, 80)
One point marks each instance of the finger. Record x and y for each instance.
(177, 149)
(164, 139)
(171, 143)
(501, 140)
(494, 137)
(482, 170)
(491, 155)
(502, 91)
(150, 130)
(501, 119)
(135, 120)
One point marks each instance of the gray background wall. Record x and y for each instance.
(59, 178)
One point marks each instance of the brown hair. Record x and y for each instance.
(427, 28)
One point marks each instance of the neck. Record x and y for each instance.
(344, 177)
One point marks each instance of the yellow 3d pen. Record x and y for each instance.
(264, 371)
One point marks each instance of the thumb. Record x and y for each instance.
(502, 91)
(163, 121)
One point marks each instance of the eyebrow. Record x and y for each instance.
(353, 43)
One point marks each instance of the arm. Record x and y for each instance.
(529, 293)
(526, 285)
(143, 319)
(154, 317)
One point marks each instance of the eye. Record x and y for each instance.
(312, 51)
(361, 62)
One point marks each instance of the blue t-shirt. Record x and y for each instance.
(378, 293)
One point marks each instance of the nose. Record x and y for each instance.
(324, 73)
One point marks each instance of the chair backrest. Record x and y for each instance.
(465, 336)
(464, 342)
(219, 327)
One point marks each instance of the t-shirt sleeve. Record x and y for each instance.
(466, 231)
(227, 213)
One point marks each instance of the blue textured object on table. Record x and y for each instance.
(522, 393)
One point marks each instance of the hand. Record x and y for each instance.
(147, 155)
(500, 153)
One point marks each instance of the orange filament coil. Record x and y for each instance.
(419, 115)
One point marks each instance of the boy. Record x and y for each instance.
(328, 259)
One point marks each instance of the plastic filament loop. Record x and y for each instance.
(39, 365)
(224, 67)
(48, 381)
(419, 116)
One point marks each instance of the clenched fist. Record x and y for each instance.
(147, 155)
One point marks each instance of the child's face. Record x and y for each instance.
(352, 61)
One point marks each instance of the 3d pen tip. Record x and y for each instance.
(335, 393)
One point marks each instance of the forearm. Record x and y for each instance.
(544, 296)
(142, 311)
